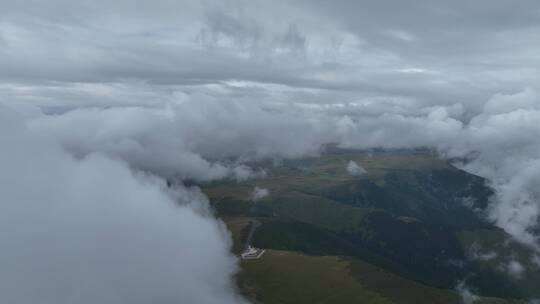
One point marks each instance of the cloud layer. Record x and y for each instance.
(91, 230)
(194, 89)
(206, 138)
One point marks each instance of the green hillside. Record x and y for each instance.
(411, 216)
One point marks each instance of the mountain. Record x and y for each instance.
(404, 225)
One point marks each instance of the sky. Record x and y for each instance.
(122, 94)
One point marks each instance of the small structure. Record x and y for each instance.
(252, 253)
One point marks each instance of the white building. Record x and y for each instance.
(252, 253)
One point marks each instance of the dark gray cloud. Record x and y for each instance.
(431, 51)
(447, 32)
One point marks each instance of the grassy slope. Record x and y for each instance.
(293, 187)
(289, 277)
(282, 277)
(497, 242)
(403, 291)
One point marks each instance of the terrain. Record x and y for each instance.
(407, 227)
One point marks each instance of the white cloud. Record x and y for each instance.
(354, 169)
(467, 296)
(91, 230)
(515, 269)
(476, 253)
(510, 158)
(259, 193)
(205, 137)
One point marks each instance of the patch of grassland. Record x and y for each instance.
(397, 289)
(319, 211)
(284, 277)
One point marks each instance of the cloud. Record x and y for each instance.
(476, 253)
(510, 158)
(180, 140)
(195, 90)
(467, 296)
(514, 268)
(91, 230)
(354, 169)
(361, 48)
(259, 193)
(506, 103)
(209, 136)
(536, 260)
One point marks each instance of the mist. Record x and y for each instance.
(101, 102)
(92, 230)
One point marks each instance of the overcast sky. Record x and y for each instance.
(193, 89)
(66, 53)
